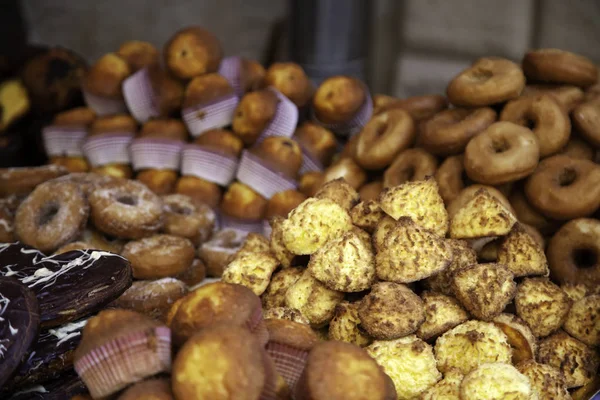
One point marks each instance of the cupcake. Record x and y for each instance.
(318, 146)
(291, 80)
(191, 52)
(242, 208)
(243, 75)
(102, 85)
(138, 54)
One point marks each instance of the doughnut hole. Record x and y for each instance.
(126, 199)
(410, 165)
(47, 212)
(585, 257)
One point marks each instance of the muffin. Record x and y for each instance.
(241, 205)
(102, 84)
(282, 203)
(192, 51)
(243, 74)
(318, 146)
(138, 54)
(291, 80)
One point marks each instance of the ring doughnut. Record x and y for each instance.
(419, 107)
(527, 214)
(22, 181)
(126, 209)
(568, 96)
(383, 137)
(88, 181)
(348, 169)
(410, 165)
(188, 218)
(546, 118)
(586, 118)
(559, 66)
(159, 256)
(504, 152)
(53, 215)
(577, 148)
(565, 188)
(488, 81)
(450, 177)
(449, 131)
(467, 194)
(574, 252)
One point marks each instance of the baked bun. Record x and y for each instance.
(106, 76)
(241, 201)
(280, 154)
(172, 129)
(206, 89)
(291, 80)
(338, 99)
(253, 114)
(283, 203)
(317, 141)
(199, 189)
(222, 141)
(191, 52)
(138, 54)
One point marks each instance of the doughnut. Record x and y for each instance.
(545, 117)
(159, 256)
(577, 148)
(488, 81)
(449, 131)
(21, 181)
(574, 252)
(53, 215)
(567, 96)
(419, 107)
(382, 100)
(88, 182)
(559, 66)
(586, 118)
(383, 137)
(410, 165)
(188, 218)
(450, 177)
(564, 188)
(504, 152)
(348, 169)
(216, 252)
(126, 209)
(371, 190)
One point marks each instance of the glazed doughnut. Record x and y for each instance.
(419, 107)
(348, 169)
(126, 209)
(410, 165)
(216, 252)
(383, 137)
(449, 131)
(504, 152)
(88, 182)
(382, 100)
(577, 148)
(467, 194)
(53, 215)
(546, 118)
(565, 188)
(574, 253)
(559, 66)
(21, 181)
(188, 218)
(566, 95)
(488, 81)
(159, 256)
(450, 177)
(586, 118)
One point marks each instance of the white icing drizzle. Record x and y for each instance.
(2, 347)
(10, 271)
(67, 331)
(6, 225)
(13, 331)
(32, 389)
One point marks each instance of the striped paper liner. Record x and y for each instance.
(245, 226)
(285, 119)
(140, 97)
(354, 125)
(109, 148)
(309, 163)
(217, 114)
(64, 141)
(103, 105)
(267, 229)
(209, 165)
(124, 360)
(289, 362)
(231, 69)
(257, 326)
(259, 177)
(155, 154)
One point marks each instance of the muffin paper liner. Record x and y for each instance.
(110, 148)
(64, 141)
(124, 360)
(231, 69)
(203, 117)
(209, 165)
(284, 121)
(289, 362)
(156, 154)
(259, 177)
(269, 391)
(354, 125)
(103, 105)
(267, 229)
(257, 326)
(309, 163)
(246, 226)
(140, 97)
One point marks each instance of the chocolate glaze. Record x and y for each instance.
(68, 286)
(62, 388)
(19, 324)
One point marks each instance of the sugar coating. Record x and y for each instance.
(496, 381)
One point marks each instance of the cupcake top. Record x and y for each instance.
(293, 334)
(318, 141)
(280, 154)
(105, 77)
(291, 80)
(241, 201)
(138, 54)
(205, 89)
(112, 124)
(338, 99)
(172, 129)
(283, 203)
(253, 114)
(80, 116)
(222, 141)
(192, 51)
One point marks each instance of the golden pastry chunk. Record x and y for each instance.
(366, 215)
(522, 254)
(482, 216)
(254, 243)
(339, 191)
(278, 249)
(586, 391)
(575, 291)
(290, 314)
(496, 381)
(463, 255)
(583, 320)
(313, 299)
(471, 344)
(446, 389)
(345, 325)
(519, 336)
(313, 223)
(542, 304)
(384, 226)
(411, 253)
(346, 264)
(390, 311)
(419, 200)
(281, 281)
(442, 313)
(484, 289)
(410, 363)
(546, 381)
(578, 362)
(252, 270)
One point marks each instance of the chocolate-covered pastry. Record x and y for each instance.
(64, 387)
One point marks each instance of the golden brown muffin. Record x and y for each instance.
(347, 169)
(164, 128)
(496, 381)
(222, 141)
(310, 182)
(219, 249)
(76, 117)
(546, 381)
(520, 337)
(252, 270)
(542, 304)
(395, 355)
(153, 389)
(188, 218)
(138, 54)
(340, 192)
(336, 371)
(282, 203)
(192, 51)
(583, 320)
(281, 281)
(117, 123)
(206, 89)
(285, 257)
(346, 326)
(280, 154)
(521, 254)
(289, 314)
(463, 256)
(160, 181)
(106, 76)
(366, 215)
(317, 141)
(240, 201)
(338, 99)
(391, 311)
(253, 75)
(442, 313)
(199, 189)
(253, 114)
(169, 91)
(291, 80)
(446, 389)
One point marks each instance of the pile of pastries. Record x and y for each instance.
(434, 247)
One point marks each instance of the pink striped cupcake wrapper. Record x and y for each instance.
(285, 120)
(309, 163)
(110, 148)
(140, 97)
(231, 69)
(103, 105)
(267, 229)
(156, 154)
(245, 226)
(257, 326)
(124, 360)
(259, 177)
(289, 362)
(64, 141)
(204, 117)
(357, 122)
(209, 165)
